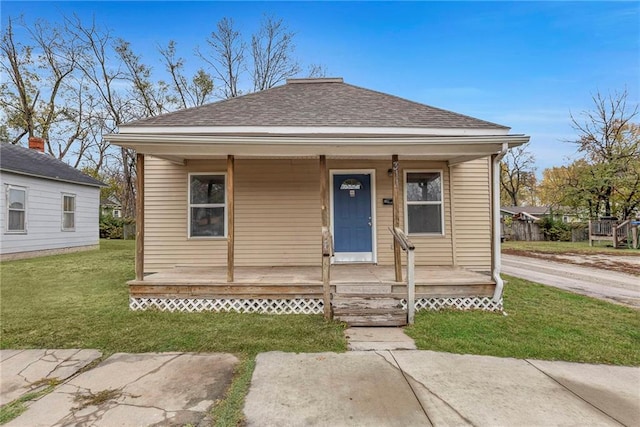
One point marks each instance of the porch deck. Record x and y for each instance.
(306, 282)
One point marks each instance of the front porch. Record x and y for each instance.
(282, 290)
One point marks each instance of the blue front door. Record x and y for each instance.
(352, 218)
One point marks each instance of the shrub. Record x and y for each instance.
(555, 230)
(113, 228)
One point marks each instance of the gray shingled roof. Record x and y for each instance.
(319, 103)
(25, 161)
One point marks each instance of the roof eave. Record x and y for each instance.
(179, 146)
(70, 181)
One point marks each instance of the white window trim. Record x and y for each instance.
(26, 207)
(407, 202)
(208, 205)
(63, 195)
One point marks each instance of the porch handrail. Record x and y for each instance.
(620, 232)
(327, 252)
(409, 248)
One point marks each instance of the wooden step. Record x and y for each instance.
(373, 318)
(358, 288)
(357, 302)
(369, 310)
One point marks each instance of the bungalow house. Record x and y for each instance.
(304, 197)
(48, 207)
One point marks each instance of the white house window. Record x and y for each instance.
(207, 205)
(423, 213)
(16, 209)
(68, 212)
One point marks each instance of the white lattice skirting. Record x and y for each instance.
(297, 305)
(462, 303)
(265, 306)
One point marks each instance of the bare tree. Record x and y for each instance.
(317, 70)
(185, 93)
(518, 175)
(19, 95)
(114, 109)
(226, 56)
(272, 52)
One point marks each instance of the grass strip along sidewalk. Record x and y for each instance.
(81, 301)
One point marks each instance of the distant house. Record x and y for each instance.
(111, 206)
(525, 213)
(535, 213)
(48, 207)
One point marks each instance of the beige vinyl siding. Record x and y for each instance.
(277, 206)
(473, 214)
(278, 221)
(166, 237)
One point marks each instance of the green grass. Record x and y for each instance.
(542, 323)
(81, 301)
(567, 247)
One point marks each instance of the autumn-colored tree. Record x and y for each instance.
(610, 144)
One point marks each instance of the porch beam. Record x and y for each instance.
(327, 243)
(139, 216)
(397, 202)
(231, 218)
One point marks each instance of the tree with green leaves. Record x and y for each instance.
(610, 144)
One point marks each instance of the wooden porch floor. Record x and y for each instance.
(287, 282)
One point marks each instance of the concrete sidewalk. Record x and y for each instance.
(407, 388)
(132, 390)
(358, 388)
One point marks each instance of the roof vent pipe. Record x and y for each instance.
(36, 143)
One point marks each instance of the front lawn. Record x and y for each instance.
(80, 300)
(541, 323)
(516, 247)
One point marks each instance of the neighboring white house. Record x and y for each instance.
(47, 206)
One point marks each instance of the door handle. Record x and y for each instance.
(369, 223)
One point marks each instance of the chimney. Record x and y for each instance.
(36, 143)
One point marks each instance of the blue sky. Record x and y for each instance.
(522, 64)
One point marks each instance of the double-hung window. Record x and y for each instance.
(424, 208)
(207, 205)
(16, 209)
(68, 212)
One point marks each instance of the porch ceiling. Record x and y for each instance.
(443, 148)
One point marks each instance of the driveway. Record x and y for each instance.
(611, 286)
